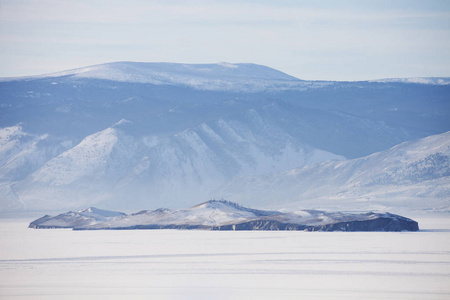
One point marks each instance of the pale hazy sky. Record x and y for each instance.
(328, 40)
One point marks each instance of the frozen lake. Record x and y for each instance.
(171, 264)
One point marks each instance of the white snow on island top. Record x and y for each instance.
(225, 215)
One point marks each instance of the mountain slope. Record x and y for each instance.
(113, 166)
(411, 176)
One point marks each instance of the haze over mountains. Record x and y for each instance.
(148, 135)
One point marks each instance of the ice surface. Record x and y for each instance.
(171, 264)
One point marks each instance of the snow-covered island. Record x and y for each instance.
(225, 215)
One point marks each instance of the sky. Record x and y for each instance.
(311, 40)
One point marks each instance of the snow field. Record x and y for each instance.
(173, 264)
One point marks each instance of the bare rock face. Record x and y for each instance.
(224, 215)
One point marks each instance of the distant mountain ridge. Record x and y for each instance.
(138, 135)
(196, 74)
(418, 80)
(221, 76)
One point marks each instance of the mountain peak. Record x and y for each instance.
(99, 213)
(164, 70)
(215, 203)
(230, 207)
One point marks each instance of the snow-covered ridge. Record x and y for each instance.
(221, 76)
(416, 80)
(91, 154)
(225, 215)
(139, 71)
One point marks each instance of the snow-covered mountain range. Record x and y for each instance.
(146, 135)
